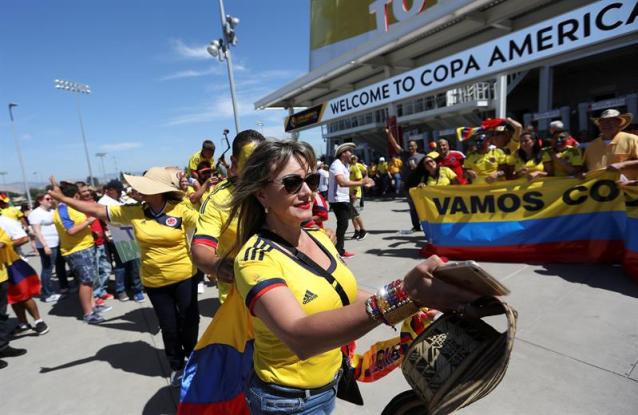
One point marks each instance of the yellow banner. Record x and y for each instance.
(519, 199)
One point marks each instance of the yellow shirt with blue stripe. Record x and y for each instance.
(213, 215)
(162, 238)
(262, 265)
(64, 218)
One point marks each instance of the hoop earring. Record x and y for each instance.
(266, 209)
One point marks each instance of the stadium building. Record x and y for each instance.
(426, 67)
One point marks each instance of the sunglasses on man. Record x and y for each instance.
(293, 182)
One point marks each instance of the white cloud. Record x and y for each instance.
(193, 73)
(189, 52)
(114, 147)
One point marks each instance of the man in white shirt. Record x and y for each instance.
(113, 196)
(339, 184)
(323, 180)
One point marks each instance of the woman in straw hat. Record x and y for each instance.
(160, 224)
(305, 299)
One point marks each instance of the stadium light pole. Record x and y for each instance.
(220, 49)
(260, 125)
(19, 150)
(101, 157)
(80, 89)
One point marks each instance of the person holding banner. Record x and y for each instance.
(161, 225)
(304, 300)
(560, 160)
(487, 165)
(527, 161)
(621, 152)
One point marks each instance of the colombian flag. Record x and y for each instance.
(24, 282)
(465, 133)
(219, 368)
(554, 219)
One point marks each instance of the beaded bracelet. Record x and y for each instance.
(391, 304)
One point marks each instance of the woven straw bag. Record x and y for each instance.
(457, 361)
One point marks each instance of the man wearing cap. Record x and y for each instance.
(206, 153)
(339, 193)
(613, 149)
(560, 159)
(557, 127)
(113, 197)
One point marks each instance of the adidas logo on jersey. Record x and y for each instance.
(309, 296)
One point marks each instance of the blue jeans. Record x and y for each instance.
(103, 270)
(263, 399)
(132, 269)
(397, 183)
(48, 262)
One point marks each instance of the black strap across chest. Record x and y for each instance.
(309, 262)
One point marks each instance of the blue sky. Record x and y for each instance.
(156, 93)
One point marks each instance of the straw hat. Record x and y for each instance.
(433, 155)
(344, 147)
(156, 180)
(625, 119)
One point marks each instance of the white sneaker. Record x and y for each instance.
(53, 298)
(200, 288)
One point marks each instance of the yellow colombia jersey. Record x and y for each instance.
(12, 212)
(484, 164)
(64, 218)
(394, 166)
(262, 265)
(212, 217)
(382, 167)
(7, 255)
(162, 239)
(355, 175)
(196, 159)
(446, 175)
(571, 154)
(530, 165)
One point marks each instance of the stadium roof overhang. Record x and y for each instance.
(412, 45)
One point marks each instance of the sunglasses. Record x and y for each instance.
(293, 182)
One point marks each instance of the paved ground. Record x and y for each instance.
(576, 350)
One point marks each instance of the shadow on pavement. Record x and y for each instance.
(134, 357)
(592, 274)
(399, 253)
(134, 320)
(208, 307)
(163, 402)
(67, 306)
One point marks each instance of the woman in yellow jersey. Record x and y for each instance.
(430, 173)
(528, 160)
(160, 224)
(304, 299)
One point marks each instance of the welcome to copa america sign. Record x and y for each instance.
(598, 22)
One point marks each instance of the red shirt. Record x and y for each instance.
(98, 232)
(454, 161)
(319, 209)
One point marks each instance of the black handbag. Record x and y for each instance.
(347, 389)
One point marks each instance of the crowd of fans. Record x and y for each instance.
(256, 225)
